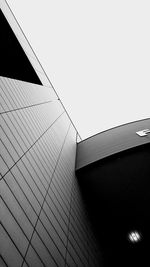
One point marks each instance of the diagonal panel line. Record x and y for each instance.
(44, 73)
(12, 241)
(32, 144)
(4, 260)
(47, 193)
(68, 229)
(30, 106)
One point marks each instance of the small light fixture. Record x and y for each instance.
(143, 132)
(134, 236)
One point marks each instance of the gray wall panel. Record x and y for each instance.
(38, 182)
(110, 142)
(9, 248)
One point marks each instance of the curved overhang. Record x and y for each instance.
(113, 173)
(112, 141)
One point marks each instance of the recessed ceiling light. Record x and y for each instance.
(134, 236)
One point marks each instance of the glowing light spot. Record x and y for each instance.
(134, 236)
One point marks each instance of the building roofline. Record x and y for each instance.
(113, 128)
(42, 69)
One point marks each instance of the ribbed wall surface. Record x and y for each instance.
(110, 142)
(44, 222)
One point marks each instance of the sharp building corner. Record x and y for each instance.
(43, 219)
(65, 202)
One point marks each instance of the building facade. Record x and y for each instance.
(43, 218)
(113, 170)
(61, 203)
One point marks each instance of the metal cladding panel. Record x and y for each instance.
(110, 142)
(44, 221)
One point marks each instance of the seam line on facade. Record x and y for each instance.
(4, 260)
(45, 199)
(13, 242)
(30, 106)
(44, 73)
(31, 145)
(33, 192)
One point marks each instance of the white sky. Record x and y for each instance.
(96, 54)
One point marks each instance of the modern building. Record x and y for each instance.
(113, 170)
(43, 219)
(58, 207)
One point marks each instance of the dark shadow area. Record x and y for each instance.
(13, 60)
(116, 191)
